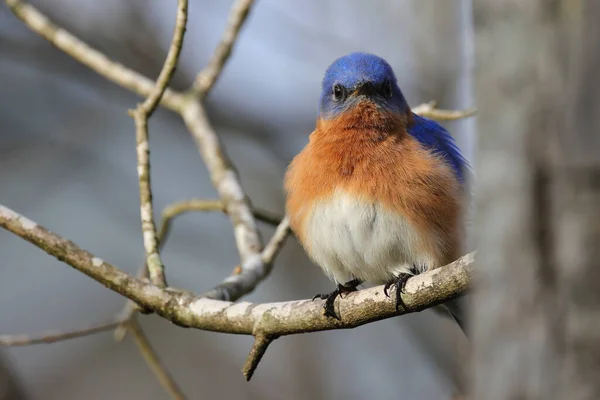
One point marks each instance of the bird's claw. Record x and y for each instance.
(399, 282)
(328, 307)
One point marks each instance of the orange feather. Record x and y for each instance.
(367, 153)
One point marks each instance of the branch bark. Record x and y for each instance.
(141, 115)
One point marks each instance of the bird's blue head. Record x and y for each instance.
(356, 77)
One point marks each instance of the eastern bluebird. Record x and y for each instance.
(377, 194)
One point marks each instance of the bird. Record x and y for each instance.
(377, 194)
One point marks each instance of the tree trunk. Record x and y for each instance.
(537, 307)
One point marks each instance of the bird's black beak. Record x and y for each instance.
(365, 89)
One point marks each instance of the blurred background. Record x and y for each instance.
(67, 161)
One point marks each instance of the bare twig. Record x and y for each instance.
(277, 241)
(270, 319)
(89, 56)
(141, 115)
(209, 75)
(429, 110)
(151, 358)
(52, 337)
(175, 209)
(153, 260)
(261, 343)
(170, 63)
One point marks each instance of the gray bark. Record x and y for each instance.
(537, 306)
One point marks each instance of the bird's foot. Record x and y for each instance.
(328, 307)
(398, 282)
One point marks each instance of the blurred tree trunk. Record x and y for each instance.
(537, 307)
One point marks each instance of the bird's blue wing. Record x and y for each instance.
(433, 136)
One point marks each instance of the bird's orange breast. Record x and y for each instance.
(380, 166)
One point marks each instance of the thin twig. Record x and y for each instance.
(180, 207)
(271, 319)
(153, 260)
(52, 337)
(429, 110)
(171, 61)
(259, 347)
(151, 358)
(277, 241)
(141, 115)
(209, 75)
(89, 56)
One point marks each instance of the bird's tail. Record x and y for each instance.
(457, 309)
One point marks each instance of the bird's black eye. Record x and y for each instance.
(387, 88)
(339, 93)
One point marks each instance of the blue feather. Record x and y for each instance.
(433, 136)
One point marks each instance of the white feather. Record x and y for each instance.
(351, 239)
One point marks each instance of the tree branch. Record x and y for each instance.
(269, 319)
(141, 115)
(429, 110)
(177, 208)
(52, 337)
(277, 241)
(209, 75)
(259, 347)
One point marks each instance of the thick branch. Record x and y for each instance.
(141, 115)
(209, 75)
(355, 309)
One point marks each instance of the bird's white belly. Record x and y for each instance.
(350, 239)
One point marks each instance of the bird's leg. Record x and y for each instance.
(329, 298)
(399, 282)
